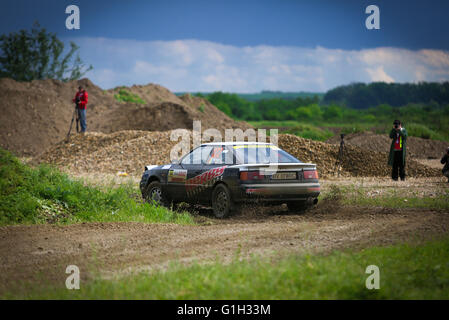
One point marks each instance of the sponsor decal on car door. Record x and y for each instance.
(207, 179)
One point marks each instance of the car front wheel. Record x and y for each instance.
(155, 195)
(221, 201)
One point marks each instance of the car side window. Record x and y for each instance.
(197, 156)
(215, 156)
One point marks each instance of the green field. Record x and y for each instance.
(266, 94)
(310, 117)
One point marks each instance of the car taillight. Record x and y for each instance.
(251, 175)
(310, 174)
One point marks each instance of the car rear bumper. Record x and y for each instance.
(278, 191)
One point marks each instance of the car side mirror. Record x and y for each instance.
(175, 161)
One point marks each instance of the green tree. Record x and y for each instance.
(222, 106)
(333, 112)
(26, 56)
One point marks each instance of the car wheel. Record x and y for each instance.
(297, 206)
(155, 195)
(221, 201)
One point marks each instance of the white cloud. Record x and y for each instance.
(193, 65)
(379, 74)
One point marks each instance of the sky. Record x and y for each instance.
(247, 45)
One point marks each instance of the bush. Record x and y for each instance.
(126, 96)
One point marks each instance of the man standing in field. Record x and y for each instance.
(396, 158)
(81, 102)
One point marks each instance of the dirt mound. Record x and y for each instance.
(151, 93)
(37, 114)
(130, 151)
(417, 148)
(210, 115)
(164, 111)
(160, 117)
(356, 161)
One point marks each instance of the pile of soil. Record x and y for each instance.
(37, 114)
(130, 151)
(417, 148)
(356, 162)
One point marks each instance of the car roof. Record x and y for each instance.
(235, 143)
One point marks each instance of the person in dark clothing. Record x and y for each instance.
(396, 158)
(81, 102)
(445, 161)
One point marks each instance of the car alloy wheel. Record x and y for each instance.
(155, 194)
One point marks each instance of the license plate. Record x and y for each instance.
(284, 176)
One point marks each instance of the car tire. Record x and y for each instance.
(297, 207)
(221, 201)
(155, 195)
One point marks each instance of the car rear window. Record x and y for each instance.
(247, 154)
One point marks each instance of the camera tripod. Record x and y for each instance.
(340, 156)
(75, 115)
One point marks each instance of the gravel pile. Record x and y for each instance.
(356, 161)
(129, 151)
(417, 148)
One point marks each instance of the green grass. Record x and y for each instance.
(126, 96)
(422, 131)
(310, 132)
(274, 123)
(44, 194)
(406, 272)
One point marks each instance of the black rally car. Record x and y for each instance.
(225, 175)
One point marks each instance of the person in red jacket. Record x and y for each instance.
(81, 102)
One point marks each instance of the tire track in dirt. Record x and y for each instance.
(40, 253)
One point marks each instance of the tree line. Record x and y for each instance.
(362, 96)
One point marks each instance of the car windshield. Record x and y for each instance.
(247, 154)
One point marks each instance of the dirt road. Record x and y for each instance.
(40, 253)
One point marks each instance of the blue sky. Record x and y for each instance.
(248, 46)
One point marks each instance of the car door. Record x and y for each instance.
(189, 170)
(216, 159)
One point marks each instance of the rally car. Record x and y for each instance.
(227, 174)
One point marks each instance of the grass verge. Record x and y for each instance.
(406, 272)
(45, 195)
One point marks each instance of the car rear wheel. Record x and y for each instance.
(221, 201)
(155, 195)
